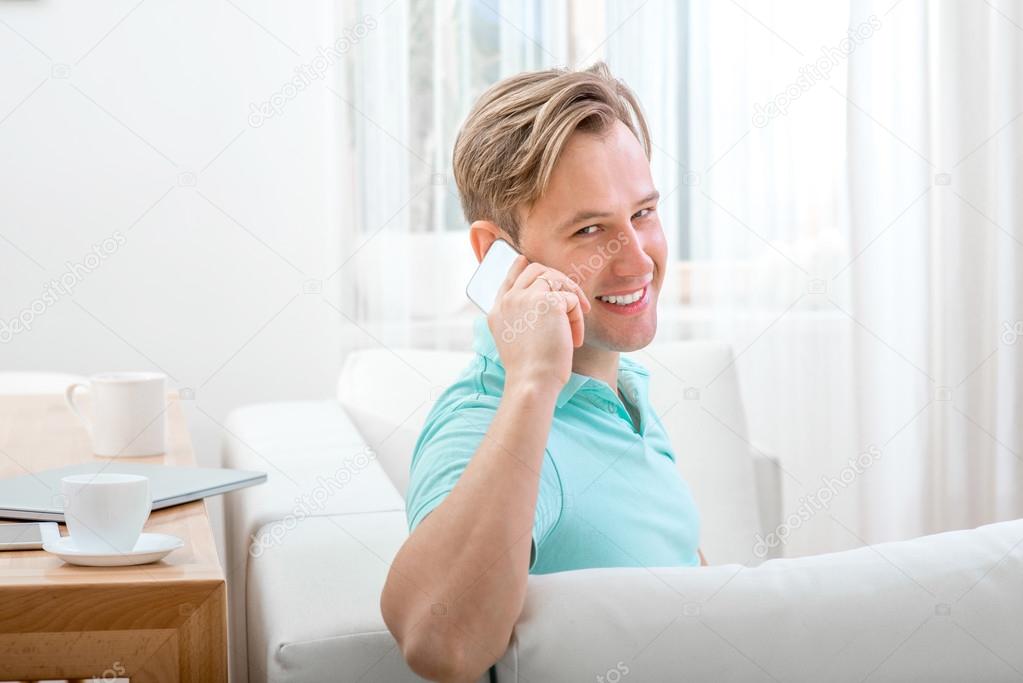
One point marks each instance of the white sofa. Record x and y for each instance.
(308, 553)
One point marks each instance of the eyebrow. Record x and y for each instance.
(588, 214)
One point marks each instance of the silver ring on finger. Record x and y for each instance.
(550, 283)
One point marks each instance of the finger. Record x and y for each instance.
(577, 288)
(546, 282)
(530, 274)
(517, 266)
(575, 318)
(567, 283)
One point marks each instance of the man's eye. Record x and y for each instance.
(642, 213)
(583, 231)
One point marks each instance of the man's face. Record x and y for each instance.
(598, 224)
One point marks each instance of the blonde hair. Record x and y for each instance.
(508, 145)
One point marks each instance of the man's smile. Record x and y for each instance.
(627, 304)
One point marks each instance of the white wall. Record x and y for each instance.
(126, 118)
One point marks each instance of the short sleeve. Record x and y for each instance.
(447, 443)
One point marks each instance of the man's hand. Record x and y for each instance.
(536, 329)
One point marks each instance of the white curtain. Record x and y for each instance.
(936, 153)
(768, 230)
(838, 183)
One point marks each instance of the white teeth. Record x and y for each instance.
(623, 299)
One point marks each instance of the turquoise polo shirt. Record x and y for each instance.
(610, 494)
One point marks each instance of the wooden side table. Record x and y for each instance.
(165, 621)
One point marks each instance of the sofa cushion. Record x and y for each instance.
(389, 393)
(694, 388)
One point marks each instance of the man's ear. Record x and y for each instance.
(482, 234)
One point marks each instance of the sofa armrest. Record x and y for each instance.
(767, 475)
(937, 608)
(314, 605)
(316, 464)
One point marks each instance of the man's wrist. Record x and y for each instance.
(541, 390)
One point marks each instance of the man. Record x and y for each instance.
(545, 455)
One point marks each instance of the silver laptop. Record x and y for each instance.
(37, 496)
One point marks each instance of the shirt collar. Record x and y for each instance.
(483, 344)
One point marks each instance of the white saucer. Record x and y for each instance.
(149, 548)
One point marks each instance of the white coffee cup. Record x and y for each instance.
(105, 512)
(128, 412)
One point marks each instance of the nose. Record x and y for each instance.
(632, 259)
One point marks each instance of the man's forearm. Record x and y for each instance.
(457, 585)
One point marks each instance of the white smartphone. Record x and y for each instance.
(490, 273)
(27, 535)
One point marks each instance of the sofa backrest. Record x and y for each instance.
(693, 388)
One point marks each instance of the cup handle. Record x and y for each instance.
(69, 396)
